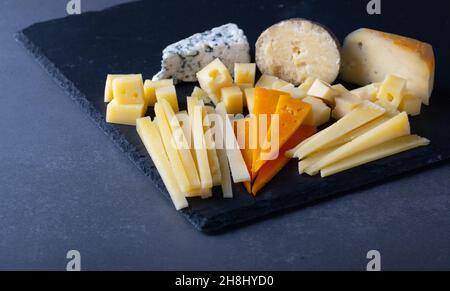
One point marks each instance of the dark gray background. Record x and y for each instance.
(63, 186)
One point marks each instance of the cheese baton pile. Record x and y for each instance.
(239, 130)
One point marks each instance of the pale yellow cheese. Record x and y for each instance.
(381, 151)
(368, 56)
(319, 114)
(340, 88)
(233, 100)
(249, 94)
(304, 164)
(124, 113)
(213, 160)
(368, 92)
(280, 84)
(244, 73)
(238, 167)
(151, 138)
(109, 85)
(172, 151)
(196, 115)
(392, 90)
(266, 81)
(395, 127)
(214, 77)
(322, 90)
(128, 89)
(150, 89)
(168, 93)
(200, 94)
(306, 85)
(344, 104)
(363, 114)
(295, 92)
(182, 144)
(411, 104)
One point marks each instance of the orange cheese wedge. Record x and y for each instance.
(291, 112)
(271, 168)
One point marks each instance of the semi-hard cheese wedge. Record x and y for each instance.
(124, 113)
(238, 167)
(378, 152)
(172, 152)
(364, 113)
(213, 160)
(395, 127)
(369, 55)
(213, 78)
(201, 155)
(272, 168)
(295, 49)
(291, 113)
(150, 136)
(182, 145)
(344, 104)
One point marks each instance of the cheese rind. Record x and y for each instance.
(363, 114)
(395, 127)
(150, 136)
(183, 59)
(381, 151)
(369, 55)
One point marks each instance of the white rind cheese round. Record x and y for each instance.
(296, 49)
(368, 56)
(182, 60)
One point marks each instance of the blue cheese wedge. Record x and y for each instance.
(183, 59)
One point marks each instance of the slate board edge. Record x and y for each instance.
(201, 223)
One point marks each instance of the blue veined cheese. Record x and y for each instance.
(183, 59)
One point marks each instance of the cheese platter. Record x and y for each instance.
(339, 116)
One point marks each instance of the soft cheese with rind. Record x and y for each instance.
(296, 49)
(368, 56)
(183, 59)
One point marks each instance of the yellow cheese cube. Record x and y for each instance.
(170, 94)
(368, 92)
(249, 94)
(200, 94)
(295, 92)
(266, 81)
(323, 90)
(244, 86)
(392, 90)
(319, 114)
(305, 86)
(344, 104)
(150, 89)
(129, 89)
(280, 84)
(340, 88)
(214, 77)
(233, 100)
(244, 73)
(411, 104)
(124, 113)
(109, 88)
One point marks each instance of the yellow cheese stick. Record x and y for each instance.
(213, 160)
(381, 151)
(172, 152)
(304, 164)
(149, 134)
(395, 127)
(182, 145)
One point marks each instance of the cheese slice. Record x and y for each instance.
(395, 127)
(344, 104)
(369, 55)
(172, 151)
(196, 115)
(291, 113)
(150, 136)
(363, 114)
(213, 160)
(182, 145)
(304, 164)
(239, 170)
(226, 183)
(381, 151)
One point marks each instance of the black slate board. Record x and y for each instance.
(78, 52)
